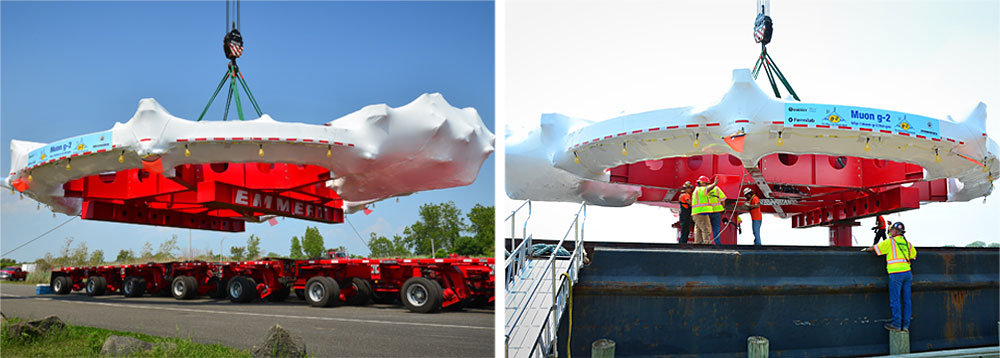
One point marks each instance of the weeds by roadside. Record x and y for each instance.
(78, 341)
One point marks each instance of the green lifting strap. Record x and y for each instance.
(210, 100)
(234, 75)
(253, 101)
(771, 69)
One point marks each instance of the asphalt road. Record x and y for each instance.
(345, 331)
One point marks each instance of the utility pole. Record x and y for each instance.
(190, 253)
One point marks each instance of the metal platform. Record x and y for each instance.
(538, 288)
(529, 303)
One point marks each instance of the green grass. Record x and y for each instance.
(77, 341)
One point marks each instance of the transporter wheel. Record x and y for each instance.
(279, 294)
(422, 295)
(184, 287)
(61, 285)
(242, 289)
(220, 287)
(134, 286)
(322, 291)
(300, 293)
(362, 291)
(96, 286)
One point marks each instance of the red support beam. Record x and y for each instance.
(880, 203)
(219, 196)
(105, 211)
(840, 234)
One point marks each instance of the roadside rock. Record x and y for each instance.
(118, 346)
(279, 343)
(36, 328)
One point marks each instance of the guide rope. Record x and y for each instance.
(40, 236)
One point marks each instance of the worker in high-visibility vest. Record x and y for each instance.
(753, 202)
(685, 217)
(898, 255)
(717, 198)
(879, 229)
(701, 209)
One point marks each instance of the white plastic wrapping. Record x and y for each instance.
(542, 163)
(376, 153)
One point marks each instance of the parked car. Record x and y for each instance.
(13, 273)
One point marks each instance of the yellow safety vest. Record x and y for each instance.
(717, 197)
(898, 253)
(700, 201)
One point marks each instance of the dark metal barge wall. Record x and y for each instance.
(808, 301)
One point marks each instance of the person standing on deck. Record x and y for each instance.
(753, 202)
(701, 209)
(717, 198)
(898, 255)
(879, 229)
(685, 217)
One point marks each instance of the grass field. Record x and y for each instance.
(77, 341)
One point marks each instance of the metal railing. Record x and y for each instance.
(546, 341)
(517, 258)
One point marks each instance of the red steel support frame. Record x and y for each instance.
(220, 196)
(816, 190)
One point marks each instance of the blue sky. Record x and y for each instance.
(73, 68)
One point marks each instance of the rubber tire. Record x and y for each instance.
(280, 295)
(247, 289)
(134, 286)
(221, 285)
(329, 295)
(300, 293)
(62, 285)
(433, 291)
(184, 287)
(96, 286)
(363, 289)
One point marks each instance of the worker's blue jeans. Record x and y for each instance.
(716, 219)
(899, 295)
(756, 231)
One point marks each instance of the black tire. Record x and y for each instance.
(96, 286)
(134, 286)
(221, 285)
(62, 285)
(184, 287)
(242, 289)
(421, 295)
(279, 294)
(322, 291)
(362, 291)
(300, 293)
